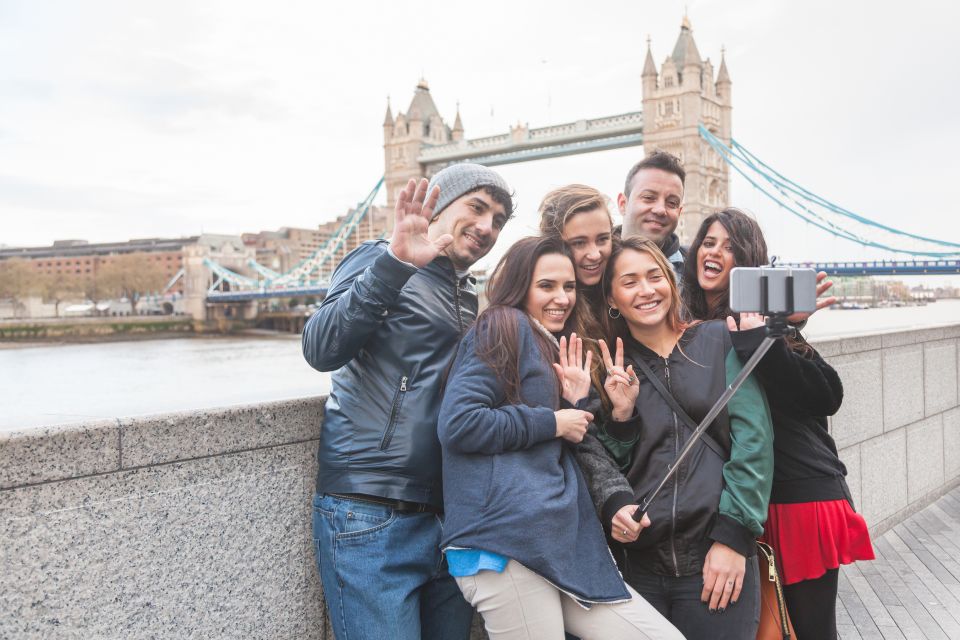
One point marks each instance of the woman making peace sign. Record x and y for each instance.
(520, 534)
(696, 558)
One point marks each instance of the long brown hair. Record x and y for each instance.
(498, 330)
(749, 250)
(556, 209)
(616, 327)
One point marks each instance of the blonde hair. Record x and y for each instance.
(561, 204)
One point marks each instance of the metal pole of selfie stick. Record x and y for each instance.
(777, 327)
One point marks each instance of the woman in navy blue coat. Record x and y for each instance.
(520, 532)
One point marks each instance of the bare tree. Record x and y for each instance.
(57, 287)
(17, 280)
(129, 275)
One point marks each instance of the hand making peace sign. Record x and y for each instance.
(409, 241)
(573, 370)
(621, 384)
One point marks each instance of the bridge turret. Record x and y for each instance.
(649, 72)
(387, 122)
(673, 109)
(457, 133)
(723, 78)
(420, 126)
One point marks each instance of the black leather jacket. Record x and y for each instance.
(389, 330)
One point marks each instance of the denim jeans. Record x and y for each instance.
(383, 574)
(678, 600)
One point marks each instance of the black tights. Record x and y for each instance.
(812, 605)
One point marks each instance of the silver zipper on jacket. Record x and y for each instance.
(394, 411)
(676, 478)
(456, 302)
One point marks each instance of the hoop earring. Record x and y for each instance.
(610, 311)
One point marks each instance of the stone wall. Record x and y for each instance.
(198, 524)
(898, 430)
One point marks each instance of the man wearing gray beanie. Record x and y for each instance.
(393, 316)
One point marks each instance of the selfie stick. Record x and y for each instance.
(777, 327)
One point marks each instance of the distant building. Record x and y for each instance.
(77, 261)
(287, 247)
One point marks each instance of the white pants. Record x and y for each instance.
(520, 605)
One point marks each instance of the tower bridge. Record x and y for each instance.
(686, 109)
(685, 93)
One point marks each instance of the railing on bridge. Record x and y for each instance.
(884, 267)
(523, 144)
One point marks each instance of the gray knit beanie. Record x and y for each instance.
(461, 178)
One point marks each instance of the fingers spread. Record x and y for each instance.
(431, 203)
(559, 371)
(605, 352)
(619, 360)
(420, 194)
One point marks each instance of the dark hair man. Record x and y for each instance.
(652, 201)
(388, 327)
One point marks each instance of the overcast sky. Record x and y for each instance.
(129, 119)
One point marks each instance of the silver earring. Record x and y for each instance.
(611, 310)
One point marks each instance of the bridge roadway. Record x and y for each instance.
(912, 589)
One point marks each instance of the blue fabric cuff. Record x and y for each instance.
(470, 562)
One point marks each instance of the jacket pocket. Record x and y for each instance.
(394, 414)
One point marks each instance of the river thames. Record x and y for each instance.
(56, 384)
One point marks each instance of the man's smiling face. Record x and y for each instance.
(474, 220)
(653, 206)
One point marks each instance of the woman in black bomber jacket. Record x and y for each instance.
(811, 523)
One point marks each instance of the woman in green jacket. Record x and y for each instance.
(693, 555)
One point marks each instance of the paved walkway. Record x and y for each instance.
(912, 589)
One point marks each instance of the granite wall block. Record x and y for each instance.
(861, 415)
(54, 453)
(924, 457)
(212, 548)
(902, 386)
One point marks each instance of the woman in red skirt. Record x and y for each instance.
(811, 523)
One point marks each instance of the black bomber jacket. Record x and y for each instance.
(388, 332)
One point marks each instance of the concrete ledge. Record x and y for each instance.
(197, 524)
(195, 434)
(56, 453)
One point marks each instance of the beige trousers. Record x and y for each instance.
(520, 605)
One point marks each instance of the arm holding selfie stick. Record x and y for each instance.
(772, 292)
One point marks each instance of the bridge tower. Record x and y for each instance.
(684, 94)
(405, 136)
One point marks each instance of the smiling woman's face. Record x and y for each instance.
(552, 292)
(715, 260)
(588, 234)
(640, 290)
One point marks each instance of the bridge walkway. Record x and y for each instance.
(912, 589)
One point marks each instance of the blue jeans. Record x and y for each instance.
(383, 574)
(678, 600)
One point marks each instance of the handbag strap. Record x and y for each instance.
(677, 409)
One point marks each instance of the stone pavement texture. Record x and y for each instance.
(912, 589)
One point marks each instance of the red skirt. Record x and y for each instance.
(810, 538)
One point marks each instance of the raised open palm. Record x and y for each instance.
(413, 213)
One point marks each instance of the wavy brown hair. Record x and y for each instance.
(556, 209)
(614, 328)
(749, 250)
(498, 329)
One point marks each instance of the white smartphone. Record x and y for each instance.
(747, 286)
